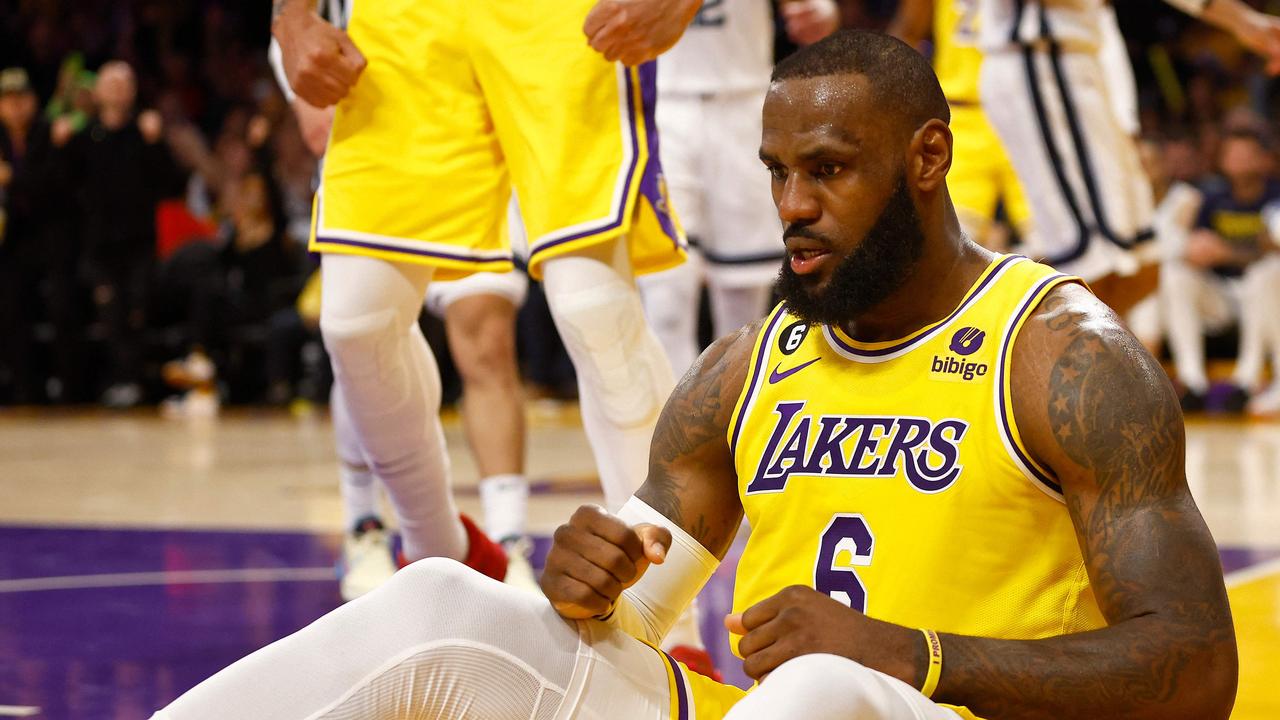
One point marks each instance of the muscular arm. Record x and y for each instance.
(691, 475)
(1097, 409)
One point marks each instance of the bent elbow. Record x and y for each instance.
(1216, 690)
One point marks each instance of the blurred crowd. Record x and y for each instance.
(155, 197)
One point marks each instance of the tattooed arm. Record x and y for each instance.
(595, 556)
(1096, 408)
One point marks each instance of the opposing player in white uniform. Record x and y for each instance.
(479, 313)
(1045, 90)
(710, 89)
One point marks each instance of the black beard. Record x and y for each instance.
(872, 271)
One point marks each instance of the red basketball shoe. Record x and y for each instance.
(483, 555)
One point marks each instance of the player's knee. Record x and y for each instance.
(487, 357)
(855, 686)
(613, 351)
(359, 344)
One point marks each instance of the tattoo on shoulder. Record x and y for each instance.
(1110, 409)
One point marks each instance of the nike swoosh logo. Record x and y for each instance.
(776, 377)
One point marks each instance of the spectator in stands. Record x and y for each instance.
(121, 169)
(1229, 267)
(255, 270)
(36, 249)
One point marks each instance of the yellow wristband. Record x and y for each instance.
(934, 647)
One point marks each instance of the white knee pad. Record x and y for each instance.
(603, 327)
(366, 346)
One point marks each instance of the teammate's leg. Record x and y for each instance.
(425, 645)
(623, 376)
(829, 687)
(367, 559)
(733, 306)
(481, 331)
(671, 307)
(389, 379)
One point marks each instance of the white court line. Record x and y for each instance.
(181, 577)
(1253, 572)
(18, 710)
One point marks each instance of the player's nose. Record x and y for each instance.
(796, 201)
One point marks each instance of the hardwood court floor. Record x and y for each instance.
(138, 555)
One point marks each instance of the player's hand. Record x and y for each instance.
(150, 125)
(799, 621)
(594, 557)
(320, 61)
(637, 31)
(808, 21)
(314, 123)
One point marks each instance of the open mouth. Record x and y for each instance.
(807, 261)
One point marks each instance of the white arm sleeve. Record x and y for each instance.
(648, 609)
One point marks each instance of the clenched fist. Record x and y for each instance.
(637, 31)
(320, 61)
(594, 557)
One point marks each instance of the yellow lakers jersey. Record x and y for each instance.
(956, 58)
(891, 475)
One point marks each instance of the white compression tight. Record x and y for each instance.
(829, 687)
(359, 486)
(391, 387)
(438, 640)
(623, 376)
(441, 642)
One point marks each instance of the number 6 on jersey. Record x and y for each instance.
(846, 542)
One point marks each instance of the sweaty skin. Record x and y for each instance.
(1092, 405)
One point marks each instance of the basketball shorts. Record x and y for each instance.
(463, 102)
(1091, 204)
(981, 175)
(710, 145)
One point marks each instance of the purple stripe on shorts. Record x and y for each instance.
(682, 697)
(1006, 428)
(651, 181)
(756, 374)
(973, 294)
(631, 171)
(498, 257)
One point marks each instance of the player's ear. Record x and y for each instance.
(930, 155)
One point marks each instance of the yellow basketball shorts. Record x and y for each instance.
(981, 174)
(462, 102)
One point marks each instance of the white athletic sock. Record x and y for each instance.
(391, 387)
(505, 499)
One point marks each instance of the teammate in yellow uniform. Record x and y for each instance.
(964, 479)
(981, 175)
(443, 109)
